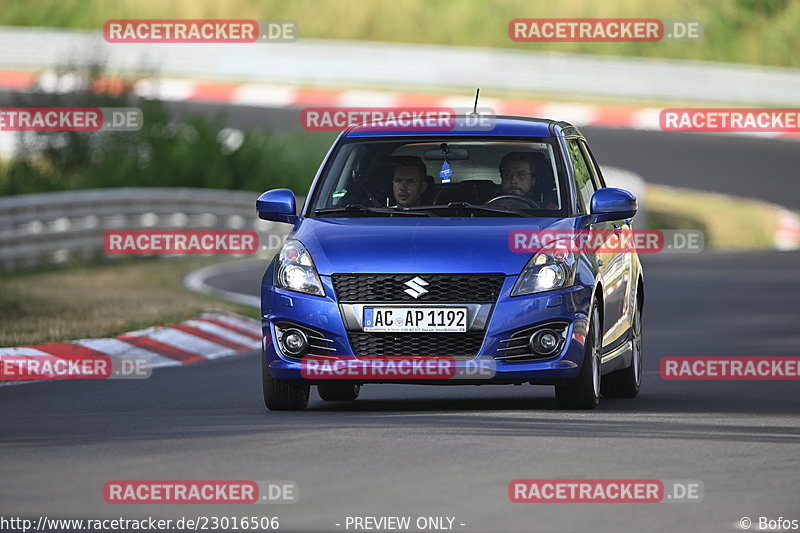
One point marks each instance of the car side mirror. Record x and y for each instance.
(613, 204)
(278, 205)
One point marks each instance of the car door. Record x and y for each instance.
(608, 265)
(621, 260)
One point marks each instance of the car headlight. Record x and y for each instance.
(548, 269)
(295, 270)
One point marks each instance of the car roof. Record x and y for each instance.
(502, 126)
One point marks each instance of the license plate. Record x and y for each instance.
(416, 319)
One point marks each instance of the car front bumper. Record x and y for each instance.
(507, 315)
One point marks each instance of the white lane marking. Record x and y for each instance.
(25, 351)
(12, 356)
(119, 348)
(190, 343)
(236, 321)
(196, 281)
(223, 332)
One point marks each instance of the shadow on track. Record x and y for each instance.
(223, 399)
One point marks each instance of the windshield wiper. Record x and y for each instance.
(464, 206)
(362, 209)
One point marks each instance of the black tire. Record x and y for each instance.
(283, 394)
(583, 392)
(625, 383)
(338, 392)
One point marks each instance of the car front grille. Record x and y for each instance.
(440, 288)
(457, 345)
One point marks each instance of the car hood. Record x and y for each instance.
(417, 245)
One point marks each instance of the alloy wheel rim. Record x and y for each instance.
(596, 353)
(637, 348)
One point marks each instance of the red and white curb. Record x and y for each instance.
(787, 236)
(284, 96)
(212, 335)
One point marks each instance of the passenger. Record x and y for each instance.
(409, 183)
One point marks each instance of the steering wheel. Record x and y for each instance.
(356, 177)
(514, 198)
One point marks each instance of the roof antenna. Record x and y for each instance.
(475, 107)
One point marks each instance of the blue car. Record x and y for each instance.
(422, 245)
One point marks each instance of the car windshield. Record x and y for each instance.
(442, 177)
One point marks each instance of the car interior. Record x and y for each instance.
(475, 177)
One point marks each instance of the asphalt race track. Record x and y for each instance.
(452, 451)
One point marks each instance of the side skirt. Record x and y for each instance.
(619, 357)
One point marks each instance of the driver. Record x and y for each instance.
(517, 174)
(409, 183)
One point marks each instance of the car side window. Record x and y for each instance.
(584, 184)
(594, 168)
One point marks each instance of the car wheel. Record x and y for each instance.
(338, 392)
(625, 383)
(583, 392)
(283, 394)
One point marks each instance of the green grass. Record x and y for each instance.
(728, 222)
(100, 300)
(761, 32)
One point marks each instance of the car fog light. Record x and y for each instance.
(544, 342)
(294, 341)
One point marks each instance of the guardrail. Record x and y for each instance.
(37, 229)
(57, 227)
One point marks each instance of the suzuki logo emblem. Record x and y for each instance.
(416, 287)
